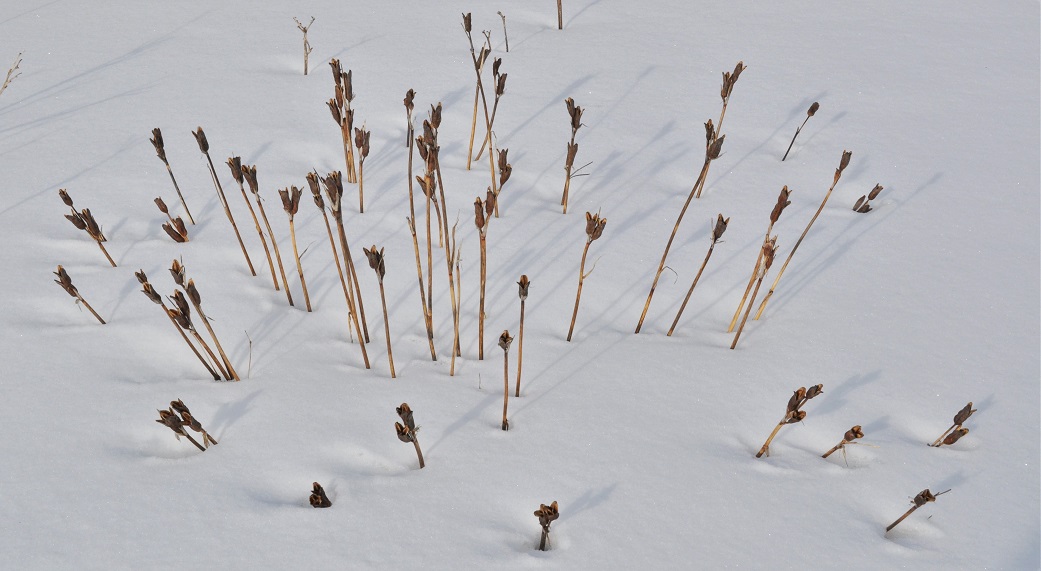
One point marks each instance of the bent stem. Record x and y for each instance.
(227, 211)
(578, 296)
(419, 453)
(766, 446)
(299, 267)
(390, 352)
(696, 278)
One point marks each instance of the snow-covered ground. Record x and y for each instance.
(647, 442)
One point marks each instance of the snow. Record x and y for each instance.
(646, 441)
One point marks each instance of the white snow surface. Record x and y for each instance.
(647, 442)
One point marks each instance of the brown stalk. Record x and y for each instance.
(851, 435)
(340, 106)
(504, 34)
(843, 163)
(809, 113)
(575, 112)
(775, 214)
(334, 190)
(717, 233)
(478, 62)
(793, 414)
(152, 295)
(291, 203)
(361, 141)
(594, 229)
(923, 497)
(250, 174)
(478, 89)
(766, 260)
(522, 292)
(307, 45)
(499, 82)
(204, 146)
(482, 219)
(66, 283)
(434, 153)
(546, 514)
(428, 318)
(12, 72)
(955, 428)
(458, 300)
(85, 221)
(181, 314)
(504, 344)
(160, 151)
(376, 262)
(560, 26)
(312, 183)
(407, 431)
(237, 172)
(193, 295)
(710, 154)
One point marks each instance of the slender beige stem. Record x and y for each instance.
(419, 452)
(901, 518)
(796, 135)
(430, 263)
(90, 309)
(458, 297)
(766, 445)
(104, 251)
(202, 359)
(480, 315)
(339, 268)
(263, 240)
(274, 245)
(578, 296)
(386, 327)
(299, 267)
(560, 26)
(770, 294)
(227, 211)
(427, 317)
(751, 282)
(473, 125)
(216, 361)
(520, 350)
(691, 290)
(361, 184)
(345, 247)
(352, 275)
(480, 152)
(179, 195)
(487, 117)
(567, 185)
(944, 435)
(834, 449)
(748, 310)
(506, 387)
(224, 356)
(451, 255)
(668, 245)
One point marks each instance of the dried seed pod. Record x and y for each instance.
(376, 261)
(505, 340)
(796, 400)
(782, 203)
(150, 292)
(710, 133)
(875, 192)
(853, 434)
(405, 413)
(814, 391)
(410, 97)
(249, 173)
(77, 220)
(500, 85)
(235, 164)
(200, 137)
(348, 85)
(178, 233)
(547, 514)
(291, 199)
(862, 205)
(489, 203)
(334, 108)
(964, 414)
(813, 109)
(924, 497)
(177, 270)
(955, 436)
(505, 168)
(157, 142)
(318, 498)
(193, 293)
(404, 434)
(435, 116)
(66, 282)
(719, 228)
(715, 148)
(522, 287)
(467, 27)
(64, 195)
(162, 206)
(844, 162)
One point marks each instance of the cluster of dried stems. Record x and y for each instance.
(291, 204)
(343, 115)
(522, 292)
(160, 151)
(793, 414)
(307, 45)
(376, 262)
(809, 113)
(478, 63)
(766, 260)
(66, 283)
(504, 343)
(316, 194)
(238, 173)
(718, 229)
(923, 497)
(204, 146)
(183, 317)
(956, 431)
(575, 112)
(863, 204)
(178, 417)
(13, 72)
(249, 173)
(482, 219)
(775, 215)
(318, 498)
(333, 183)
(594, 229)
(174, 227)
(181, 322)
(849, 438)
(85, 221)
(407, 432)
(428, 319)
(843, 163)
(499, 82)
(547, 515)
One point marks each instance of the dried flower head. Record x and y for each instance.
(249, 173)
(64, 195)
(594, 226)
(853, 434)
(200, 137)
(290, 199)
(376, 261)
(157, 142)
(522, 287)
(318, 498)
(235, 164)
(177, 270)
(955, 436)
(782, 203)
(964, 414)
(410, 97)
(504, 340)
(66, 282)
(813, 109)
(719, 228)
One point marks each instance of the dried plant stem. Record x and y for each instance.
(345, 248)
(12, 72)
(386, 328)
(901, 518)
(504, 34)
(505, 387)
(202, 359)
(430, 260)
(487, 136)
(480, 315)
(274, 245)
(578, 296)
(766, 446)
(691, 290)
(307, 44)
(835, 181)
(457, 299)
(473, 129)
(227, 211)
(764, 266)
(450, 256)
(668, 246)
(260, 232)
(90, 309)
(104, 251)
(179, 195)
(428, 320)
(520, 350)
(339, 267)
(751, 282)
(299, 266)
(224, 357)
(560, 26)
(944, 435)
(419, 453)
(216, 360)
(796, 135)
(487, 116)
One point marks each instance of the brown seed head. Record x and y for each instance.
(924, 497)
(150, 293)
(335, 110)
(318, 499)
(404, 433)
(796, 400)
(170, 420)
(174, 232)
(235, 164)
(814, 391)
(964, 414)
(955, 436)
(500, 85)
(853, 434)
(348, 85)
(479, 220)
(489, 203)
(193, 292)
(336, 69)
(719, 228)
(782, 203)
(162, 206)
(249, 173)
(77, 220)
(467, 26)
(141, 276)
(482, 57)
(715, 148)
(522, 287)
(861, 205)
(505, 340)
(157, 142)
(875, 192)
(844, 162)
(66, 282)
(813, 109)
(200, 137)
(547, 514)
(435, 118)
(710, 133)
(92, 226)
(178, 271)
(572, 150)
(376, 260)
(410, 97)
(405, 413)
(64, 195)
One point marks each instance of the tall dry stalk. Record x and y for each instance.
(376, 262)
(178, 271)
(843, 163)
(334, 190)
(237, 172)
(250, 174)
(499, 82)
(809, 113)
(66, 284)
(482, 219)
(712, 150)
(160, 151)
(291, 204)
(560, 26)
(717, 233)
(85, 221)
(340, 106)
(316, 193)
(575, 112)
(155, 298)
(792, 414)
(504, 34)
(775, 215)
(12, 72)
(504, 344)
(522, 292)
(766, 259)
(361, 142)
(204, 146)
(457, 279)
(307, 45)
(428, 318)
(478, 62)
(594, 229)
(729, 80)
(181, 313)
